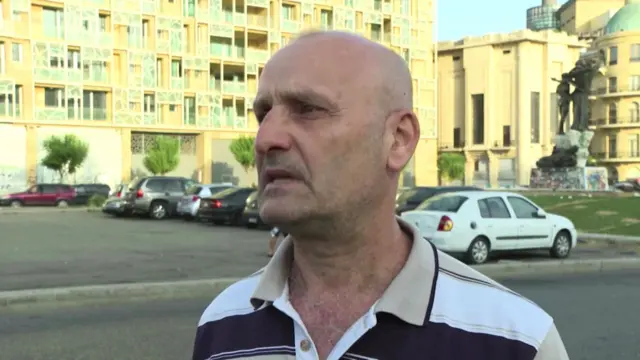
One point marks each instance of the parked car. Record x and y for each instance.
(156, 196)
(190, 203)
(478, 223)
(251, 214)
(85, 191)
(115, 203)
(226, 206)
(410, 198)
(41, 195)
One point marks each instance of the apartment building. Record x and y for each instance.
(615, 105)
(119, 72)
(587, 18)
(497, 104)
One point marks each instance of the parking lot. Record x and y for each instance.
(50, 249)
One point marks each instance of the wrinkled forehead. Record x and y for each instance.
(301, 68)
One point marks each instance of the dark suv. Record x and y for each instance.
(410, 198)
(85, 191)
(41, 195)
(156, 196)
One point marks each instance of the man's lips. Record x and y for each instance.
(273, 174)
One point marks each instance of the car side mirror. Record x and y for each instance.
(540, 214)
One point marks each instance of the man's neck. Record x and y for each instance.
(364, 259)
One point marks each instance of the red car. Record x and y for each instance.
(41, 195)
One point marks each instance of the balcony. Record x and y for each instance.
(290, 26)
(240, 19)
(47, 74)
(177, 83)
(451, 146)
(618, 122)
(257, 21)
(258, 3)
(45, 113)
(617, 91)
(257, 55)
(617, 156)
(150, 118)
(234, 87)
(7, 110)
(92, 114)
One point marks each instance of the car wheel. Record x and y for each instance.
(62, 203)
(478, 252)
(15, 204)
(158, 210)
(561, 245)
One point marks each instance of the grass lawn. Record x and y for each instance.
(603, 215)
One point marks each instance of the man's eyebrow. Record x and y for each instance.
(296, 96)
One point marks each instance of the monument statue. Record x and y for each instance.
(571, 149)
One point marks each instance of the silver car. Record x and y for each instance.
(190, 203)
(157, 196)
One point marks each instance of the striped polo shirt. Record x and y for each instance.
(436, 308)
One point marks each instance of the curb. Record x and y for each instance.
(212, 287)
(42, 210)
(623, 239)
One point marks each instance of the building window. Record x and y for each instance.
(94, 105)
(613, 146)
(10, 103)
(376, 32)
(554, 116)
(176, 69)
(613, 114)
(54, 97)
(457, 138)
(189, 110)
(95, 70)
(535, 117)
(16, 52)
(73, 59)
(634, 112)
(53, 22)
(478, 118)
(102, 23)
(634, 145)
(2, 58)
(145, 33)
(635, 53)
(613, 55)
(613, 84)
(189, 8)
(634, 83)
(326, 18)
(506, 135)
(288, 11)
(149, 104)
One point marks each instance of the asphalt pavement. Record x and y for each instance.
(596, 315)
(49, 248)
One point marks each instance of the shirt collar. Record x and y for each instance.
(408, 297)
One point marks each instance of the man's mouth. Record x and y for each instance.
(275, 176)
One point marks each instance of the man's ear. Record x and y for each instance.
(404, 133)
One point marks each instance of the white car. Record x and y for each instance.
(475, 223)
(189, 204)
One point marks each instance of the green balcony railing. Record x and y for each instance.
(290, 26)
(234, 87)
(258, 3)
(97, 114)
(49, 74)
(240, 19)
(214, 84)
(51, 113)
(257, 56)
(257, 20)
(177, 83)
(7, 110)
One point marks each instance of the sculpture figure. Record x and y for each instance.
(564, 99)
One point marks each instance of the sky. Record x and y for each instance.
(459, 18)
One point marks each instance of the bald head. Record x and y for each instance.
(383, 72)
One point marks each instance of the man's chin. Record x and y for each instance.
(279, 211)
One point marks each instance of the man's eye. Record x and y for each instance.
(305, 108)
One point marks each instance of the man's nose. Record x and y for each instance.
(274, 132)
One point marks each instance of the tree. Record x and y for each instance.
(451, 166)
(65, 154)
(163, 156)
(243, 151)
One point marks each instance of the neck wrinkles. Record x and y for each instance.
(365, 257)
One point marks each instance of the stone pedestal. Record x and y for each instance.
(570, 178)
(581, 139)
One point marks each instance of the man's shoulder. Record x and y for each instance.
(469, 301)
(234, 300)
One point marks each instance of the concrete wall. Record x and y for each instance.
(13, 159)
(225, 168)
(103, 163)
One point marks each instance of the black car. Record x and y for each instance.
(251, 214)
(410, 198)
(85, 191)
(226, 206)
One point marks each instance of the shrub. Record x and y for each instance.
(97, 200)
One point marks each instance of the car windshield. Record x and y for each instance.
(444, 202)
(194, 190)
(225, 192)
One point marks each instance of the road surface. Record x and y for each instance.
(596, 314)
(40, 249)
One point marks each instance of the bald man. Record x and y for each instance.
(352, 281)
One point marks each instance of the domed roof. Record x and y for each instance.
(626, 19)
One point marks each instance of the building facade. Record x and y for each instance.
(119, 72)
(543, 17)
(587, 18)
(615, 113)
(497, 104)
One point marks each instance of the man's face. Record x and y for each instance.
(318, 148)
